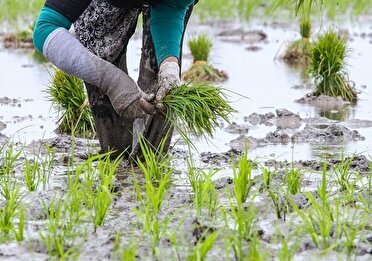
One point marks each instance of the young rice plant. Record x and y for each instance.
(328, 67)
(68, 92)
(201, 70)
(196, 109)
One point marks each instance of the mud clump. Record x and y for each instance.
(333, 134)
(2, 125)
(257, 119)
(359, 163)
(288, 130)
(237, 129)
(323, 101)
(219, 158)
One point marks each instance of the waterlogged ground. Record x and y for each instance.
(282, 130)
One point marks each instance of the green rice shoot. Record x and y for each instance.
(201, 47)
(197, 109)
(68, 93)
(201, 70)
(327, 65)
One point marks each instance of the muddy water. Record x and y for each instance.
(254, 71)
(24, 109)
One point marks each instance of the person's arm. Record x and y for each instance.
(167, 24)
(53, 40)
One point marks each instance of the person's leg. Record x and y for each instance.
(153, 128)
(106, 30)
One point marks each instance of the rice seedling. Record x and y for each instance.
(31, 172)
(68, 93)
(266, 175)
(19, 233)
(243, 229)
(328, 67)
(103, 197)
(8, 158)
(203, 246)
(59, 237)
(242, 178)
(287, 251)
(196, 109)
(11, 207)
(255, 252)
(344, 175)
(293, 180)
(204, 191)
(20, 39)
(280, 206)
(201, 71)
(82, 183)
(129, 251)
(299, 51)
(321, 218)
(38, 169)
(276, 195)
(156, 168)
(47, 163)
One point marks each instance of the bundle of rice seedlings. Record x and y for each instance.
(298, 52)
(201, 70)
(21, 39)
(196, 109)
(328, 67)
(68, 93)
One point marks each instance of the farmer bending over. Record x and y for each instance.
(97, 55)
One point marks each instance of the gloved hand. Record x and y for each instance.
(68, 54)
(139, 108)
(169, 77)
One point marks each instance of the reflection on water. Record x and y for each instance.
(340, 114)
(328, 151)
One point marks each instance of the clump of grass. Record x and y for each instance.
(12, 207)
(60, 234)
(242, 178)
(196, 109)
(68, 93)
(328, 67)
(201, 70)
(298, 52)
(243, 229)
(205, 194)
(202, 247)
(156, 168)
(322, 217)
(201, 47)
(293, 180)
(21, 39)
(275, 194)
(104, 195)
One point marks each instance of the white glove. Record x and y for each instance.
(169, 77)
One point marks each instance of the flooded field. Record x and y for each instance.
(324, 146)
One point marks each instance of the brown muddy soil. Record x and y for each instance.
(183, 224)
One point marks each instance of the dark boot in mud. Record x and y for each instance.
(106, 30)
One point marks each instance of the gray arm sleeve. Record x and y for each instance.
(68, 54)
